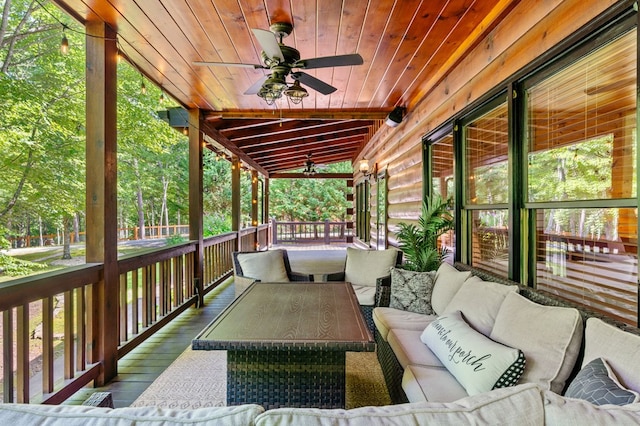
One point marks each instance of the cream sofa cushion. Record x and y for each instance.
(549, 336)
(448, 282)
(418, 380)
(619, 348)
(409, 349)
(559, 410)
(79, 415)
(387, 319)
(267, 266)
(479, 301)
(365, 294)
(520, 405)
(364, 267)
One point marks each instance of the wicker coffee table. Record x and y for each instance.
(286, 343)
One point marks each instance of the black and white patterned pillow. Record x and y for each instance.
(597, 384)
(411, 291)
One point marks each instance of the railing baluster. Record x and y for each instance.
(69, 361)
(81, 330)
(22, 353)
(134, 302)
(123, 308)
(7, 355)
(47, 345)
(146, 295)
(154, 292)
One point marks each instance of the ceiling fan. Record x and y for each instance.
(281, 60)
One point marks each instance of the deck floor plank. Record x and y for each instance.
(140, 367)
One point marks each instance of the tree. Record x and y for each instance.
(311, 199)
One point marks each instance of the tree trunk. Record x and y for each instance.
(66, 236)
(76, 227)
(141, 232)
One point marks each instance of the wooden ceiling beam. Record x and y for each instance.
(333, 137)
(304, 114)
(319, 175)
(234, 150)
(286, 160)
(348, 129)
(279, 127)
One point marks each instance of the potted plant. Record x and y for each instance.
(419, 242)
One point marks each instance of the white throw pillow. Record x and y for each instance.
(448, 282)
(364, 267)
(549, 336)
(477, 362)
(266, 266)
(480, 302)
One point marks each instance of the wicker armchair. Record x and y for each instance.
(244, 279)
(382, 288)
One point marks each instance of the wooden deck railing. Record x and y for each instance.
(311, 232)
(155, 286)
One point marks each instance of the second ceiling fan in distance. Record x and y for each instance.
(283, 61)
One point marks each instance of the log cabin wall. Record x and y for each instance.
(529, 31)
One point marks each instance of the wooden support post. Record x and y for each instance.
(235, 198)
(265, 212)
(195, 200)
(254, 198)
(101, 207)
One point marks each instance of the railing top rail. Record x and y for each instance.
(36, 287)
(217, 239)
(153, 255)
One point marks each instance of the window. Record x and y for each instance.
(443, 183)
(581, 180)
(487, 189)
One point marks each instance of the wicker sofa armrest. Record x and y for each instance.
(299, 276)
(383, 291)
(99, 399)
(336, 276)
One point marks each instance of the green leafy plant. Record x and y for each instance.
(419, 242)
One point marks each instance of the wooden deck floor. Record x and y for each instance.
(139, 368)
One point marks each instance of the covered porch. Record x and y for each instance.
(119, 310)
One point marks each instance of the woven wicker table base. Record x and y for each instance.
(308, 378)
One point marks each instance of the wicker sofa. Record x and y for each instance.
(529, 403)
(556, 345)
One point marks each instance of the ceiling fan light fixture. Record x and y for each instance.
(269, 96)
(275, 84)
(296, 92)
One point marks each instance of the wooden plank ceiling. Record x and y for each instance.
(407, 47)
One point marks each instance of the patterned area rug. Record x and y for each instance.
(198, 379)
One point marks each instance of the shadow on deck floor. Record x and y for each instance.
(140, 367)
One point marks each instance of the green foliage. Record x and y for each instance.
(215, 225)
(419, 242)
(175, 239)
(311, 199)
(14, 267)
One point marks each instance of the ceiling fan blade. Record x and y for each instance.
(269, 43)
(255, 87)
(314, 83)
(330, 61)
(227, 64)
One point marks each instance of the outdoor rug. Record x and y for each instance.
(198, 379)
